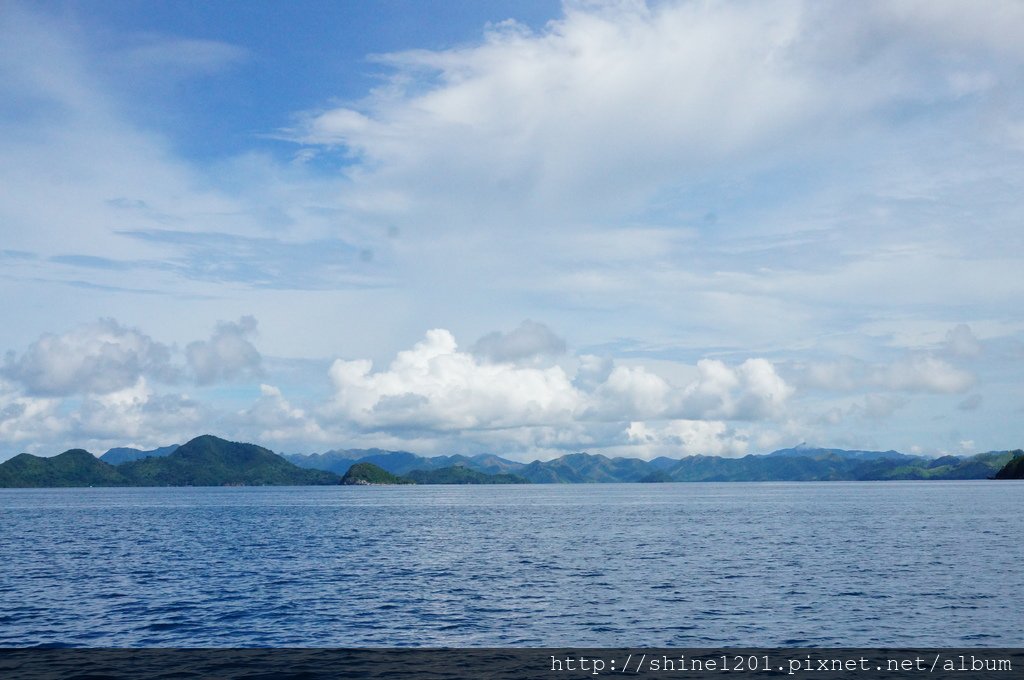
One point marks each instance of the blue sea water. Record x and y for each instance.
(674, 565)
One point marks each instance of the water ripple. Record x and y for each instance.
(894, 564)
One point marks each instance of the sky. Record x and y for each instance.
(527, 228)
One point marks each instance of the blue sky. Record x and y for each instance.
(528, 228)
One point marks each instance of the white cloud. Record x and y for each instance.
(98, 358)
(675, 438)
(879, 406)
(27, 420)
(436, 398)
(276, 420)
(961, 341)
(519, 113)
(915, 372)
(665, 89)
(101, 385)
(924, 373)
(164, 57)
(592, 371)
(227, 355)
(751, 391)
(434, 385)
(629, 392)
(733, 160)
(115, 414)
(133, 415)
(105, 357)
(137, 414)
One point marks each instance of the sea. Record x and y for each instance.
(830, 564)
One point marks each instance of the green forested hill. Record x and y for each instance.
(211, 461)
(71, 468)
(368, 473)
(204, 461)
(1014, 469)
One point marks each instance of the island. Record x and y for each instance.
(368, 474)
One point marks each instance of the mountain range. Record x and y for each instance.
(802, 463)
(211, 461)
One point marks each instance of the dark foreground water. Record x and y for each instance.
(696, 565)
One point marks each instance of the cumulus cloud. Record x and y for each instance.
(107, 357)
(435, 386)
(227, 355)
(25, 419)
(629, 392)
(115, 414)
(135, 415)
(97, 358)
(102, 384)
(751, 391)
(139, 415)
(277, 420)
(530, 341)
(592, 371)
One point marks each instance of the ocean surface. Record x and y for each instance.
(675, 565)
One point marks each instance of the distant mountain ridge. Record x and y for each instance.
(339, 461)
(211, 461)
(800, 463)
(803, 450)
(127, 454)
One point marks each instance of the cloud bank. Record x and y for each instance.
(112, 385)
